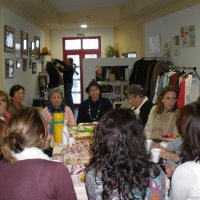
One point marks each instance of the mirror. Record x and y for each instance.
(24, 43)
(37, 47)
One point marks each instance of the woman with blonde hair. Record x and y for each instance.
(4, 103)
(162, 117)
(26, 172)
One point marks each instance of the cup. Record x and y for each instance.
(148, 143)
(155, 155)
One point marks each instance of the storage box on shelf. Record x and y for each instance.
(114, 91)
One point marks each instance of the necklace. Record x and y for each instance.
(97, 115)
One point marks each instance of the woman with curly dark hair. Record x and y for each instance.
(186, 177)
(120, 166)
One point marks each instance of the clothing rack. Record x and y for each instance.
(186, 68)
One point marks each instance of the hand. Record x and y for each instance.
(169, 155)
(169, 169)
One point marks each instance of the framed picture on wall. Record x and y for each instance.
(37, 47)
(9, 39)
(18, 64)
(24, 43)
(9, 68)
(34, 68)
(24, 63)
(17, 50)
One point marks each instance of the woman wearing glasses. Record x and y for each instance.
(16, 98)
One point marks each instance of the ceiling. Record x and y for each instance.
(59, 14)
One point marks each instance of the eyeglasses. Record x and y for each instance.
(19, 93)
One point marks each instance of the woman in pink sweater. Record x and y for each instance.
(57, 105)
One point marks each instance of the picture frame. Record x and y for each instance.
(18, 64)
(17, 50)
(9, 39)
(9, 68)
(24, 63)
(34, 67)
(37, 47)
(24, 43)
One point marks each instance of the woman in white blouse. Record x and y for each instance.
(186, 177)
(162, 117)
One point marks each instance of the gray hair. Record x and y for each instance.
(56, 90)
(135, 89)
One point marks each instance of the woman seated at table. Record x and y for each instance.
(162, 117)
(120, 166)
(95, 106)
(25, 171)
(57, 105)
(16, 99)
(4, 103)
(186, 177)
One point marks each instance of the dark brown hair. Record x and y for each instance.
(15, 88)
(160, 105)
(188, 125)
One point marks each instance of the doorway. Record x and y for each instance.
(79, 48)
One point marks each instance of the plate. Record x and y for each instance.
(168, 137)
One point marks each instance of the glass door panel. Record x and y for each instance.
(76, 89)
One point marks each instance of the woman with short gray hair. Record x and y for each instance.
(57, 105)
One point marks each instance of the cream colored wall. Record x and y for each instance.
(107, 38)
(25, 78)
(129, 37)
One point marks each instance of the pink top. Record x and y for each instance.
(69, 116)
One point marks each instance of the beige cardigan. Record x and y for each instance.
(160, 123)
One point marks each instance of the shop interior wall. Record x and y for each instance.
(128, 37)
(167, 27)
(25, 78)
(107, 38)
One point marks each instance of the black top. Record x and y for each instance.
(91, 111)
(54, 76)
(68, 71)
(144, 111)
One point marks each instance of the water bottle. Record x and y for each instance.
(65, 134)
(58, 123)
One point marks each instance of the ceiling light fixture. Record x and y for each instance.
(83, 25)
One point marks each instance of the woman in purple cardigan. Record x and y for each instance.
(25, 171)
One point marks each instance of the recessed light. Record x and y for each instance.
(83, 25)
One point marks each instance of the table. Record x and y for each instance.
(76, 156)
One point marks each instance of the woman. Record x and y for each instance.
(4, 103)
(16, 97)
(162, 117)
(120, 166)
(186, 177)
(56, 105)
(95, 106)
(26, 172)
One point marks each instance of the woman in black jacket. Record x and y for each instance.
(93, 108)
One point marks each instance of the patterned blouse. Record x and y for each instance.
(155, 191)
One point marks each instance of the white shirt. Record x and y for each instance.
(186, 182)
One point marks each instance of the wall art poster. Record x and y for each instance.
(176, 45)
(9, 68)
(187, 34)
(154, 44)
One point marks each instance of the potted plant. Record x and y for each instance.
(110, 51)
